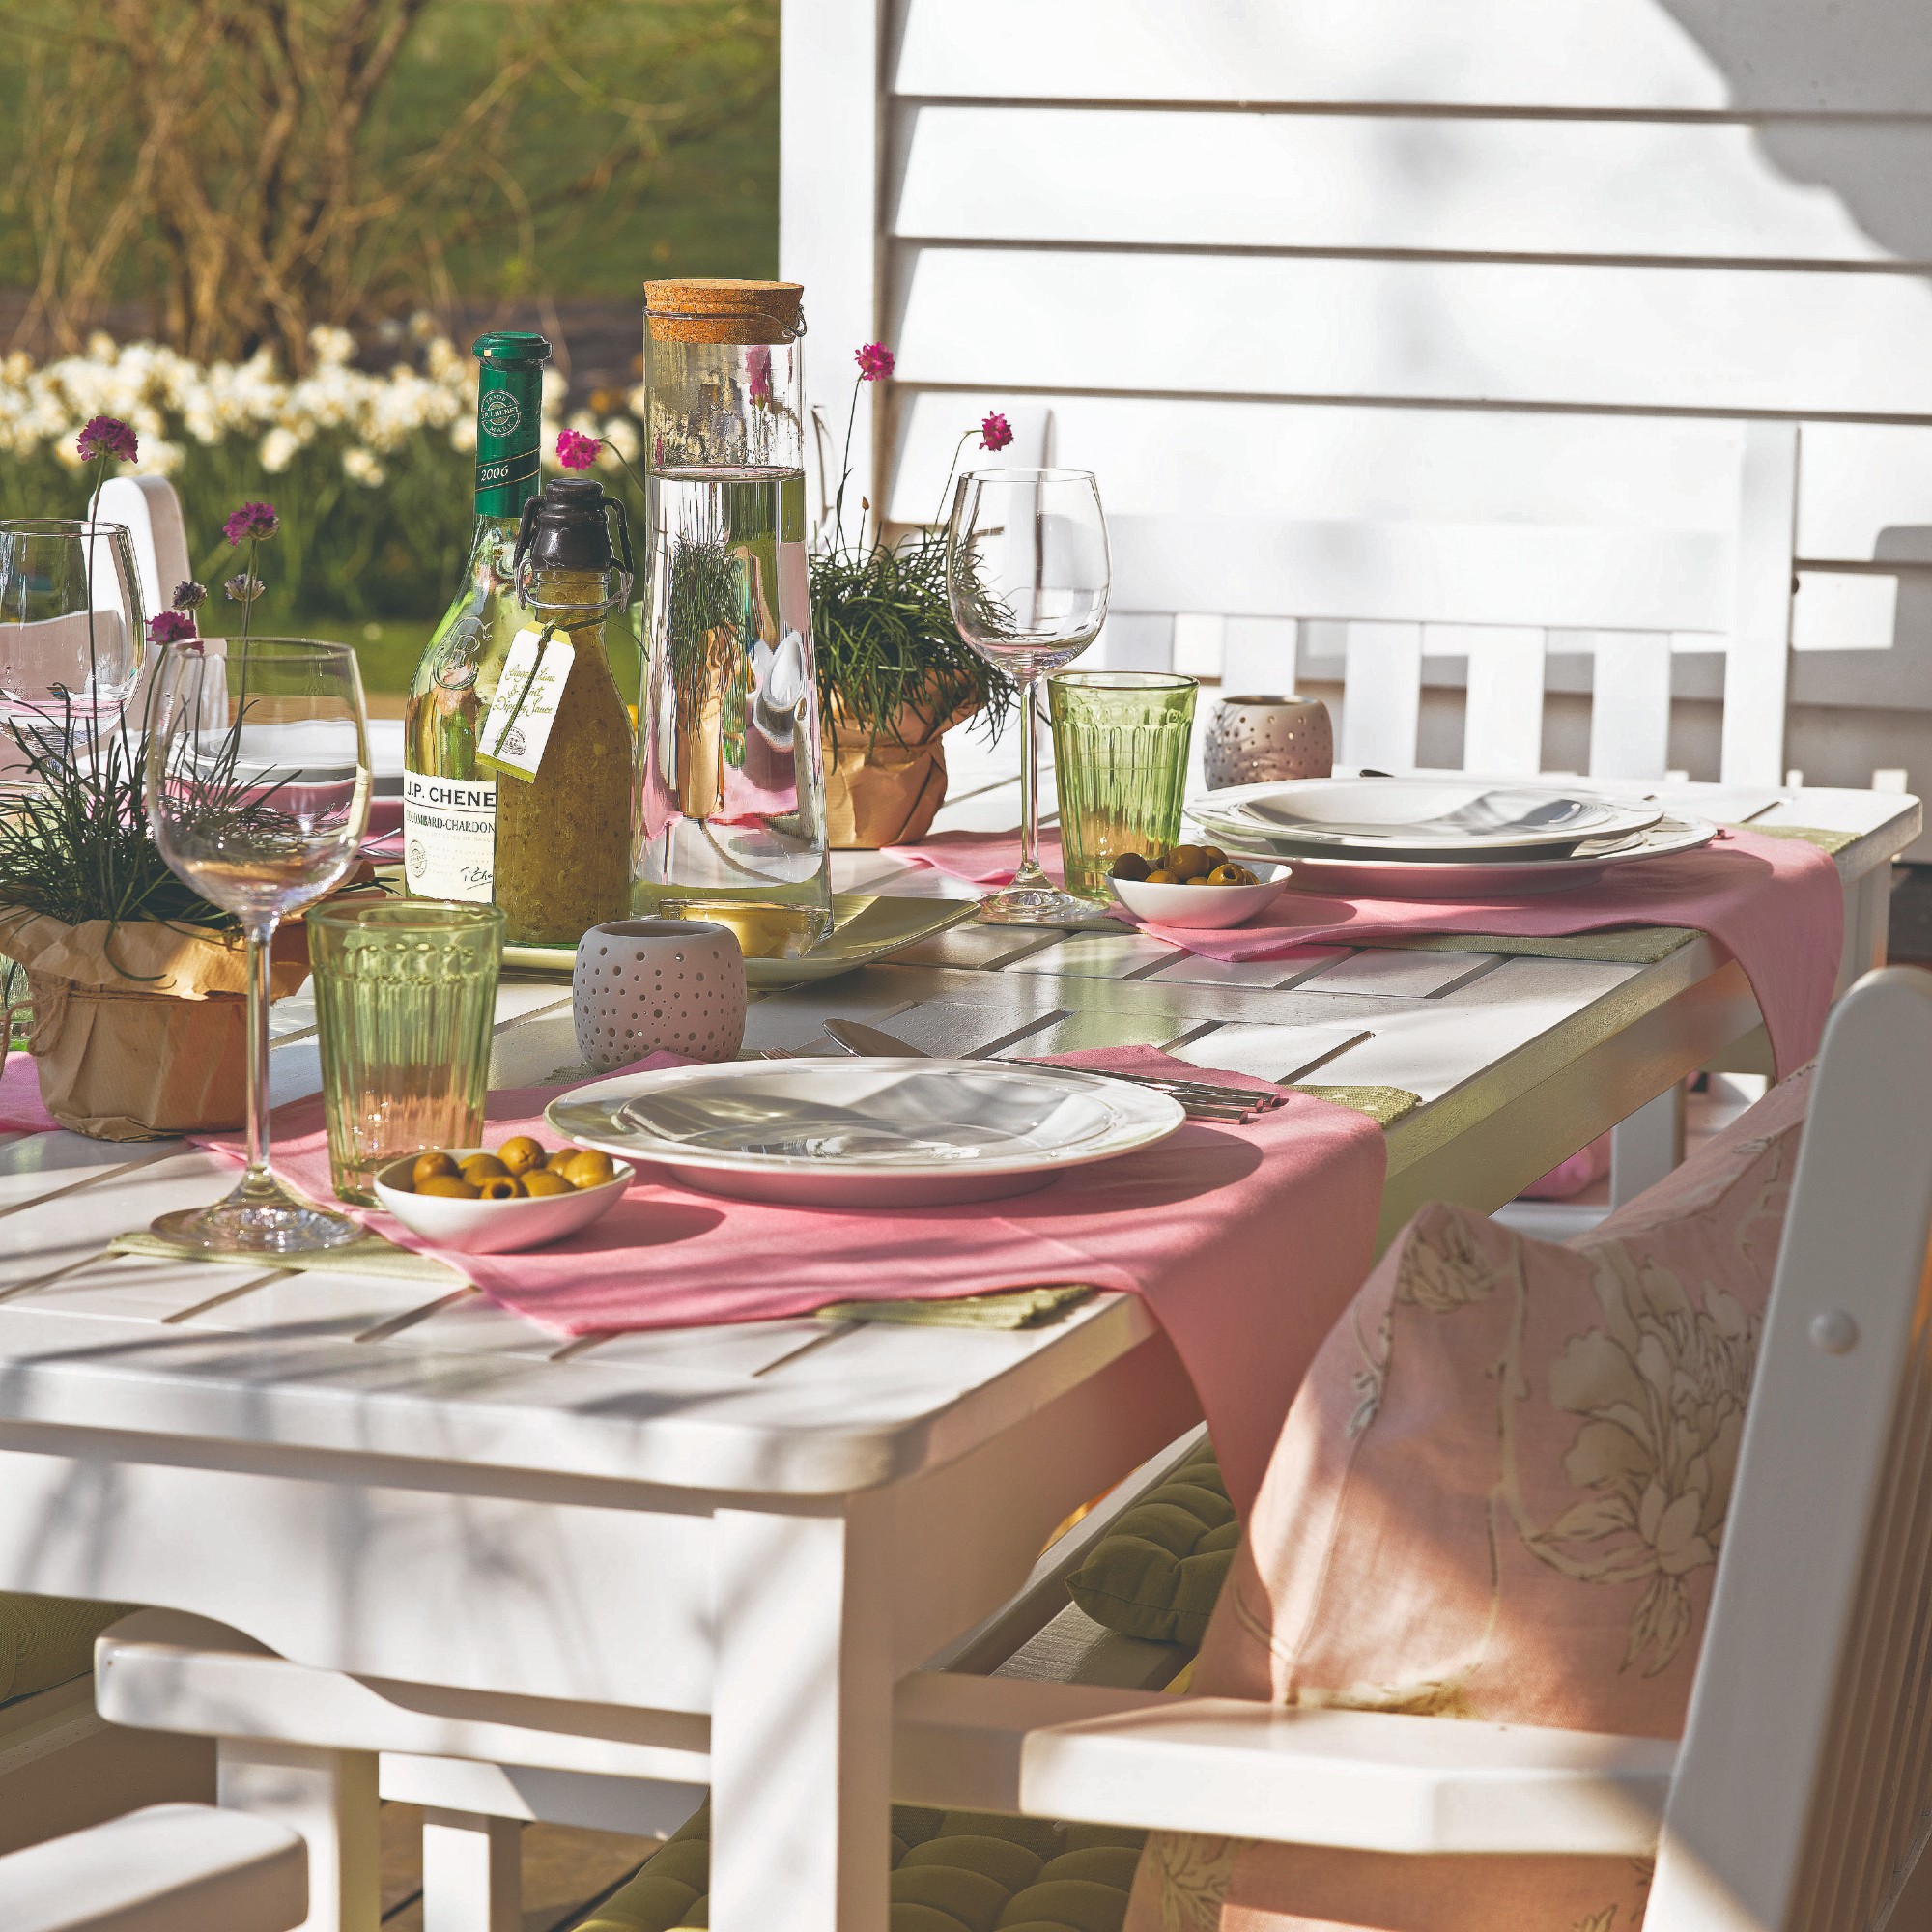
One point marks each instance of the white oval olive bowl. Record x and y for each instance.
(495, 1226)
(1204, 908)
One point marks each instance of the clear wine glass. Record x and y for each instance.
(73, 632)
(1026, 577)
(258, 796)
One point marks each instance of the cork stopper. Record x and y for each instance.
(723, 310)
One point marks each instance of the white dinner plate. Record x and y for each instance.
(1431, 819)
(1337, 876)
(866, 1133)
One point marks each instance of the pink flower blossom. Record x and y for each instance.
(107, 436)
(575, 450)
(252, 520)
(875, 362)
(191, 595)
(170, 627)
(996, 431)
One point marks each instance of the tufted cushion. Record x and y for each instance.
(48, 1640)
(1156, 1572)
(1500, 1495)
(954, 1871)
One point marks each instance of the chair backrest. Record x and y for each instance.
(1386, 593)
(152, 514)
(1803, 1790)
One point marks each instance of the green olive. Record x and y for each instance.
(1198, 879)
(1130, 865)
(520, 1153)
(481, 1167)
(589, 1168)
(1162, 876)
(452, 1186)
(1214, 858)
(1225, 874)
(430, 1165)
(499, 1187)
(562, 1158)
(541, 1180)
(1186, 861)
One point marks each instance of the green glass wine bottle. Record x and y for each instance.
(450, 802)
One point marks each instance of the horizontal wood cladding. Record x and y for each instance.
(1716, 340)
(1843, 193)
(1865, 491)
(1859, 57)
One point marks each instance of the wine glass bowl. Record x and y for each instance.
(73, 632)
(1027, 578)
(257, 787)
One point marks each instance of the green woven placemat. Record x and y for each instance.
(1383, 1105)
(1812, 835)
(371, 1255)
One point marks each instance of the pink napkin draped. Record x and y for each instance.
(1775, 904)
(1246, 1242)
(20, 1109)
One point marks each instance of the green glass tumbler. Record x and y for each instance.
(1119, 761)
(405, 1002)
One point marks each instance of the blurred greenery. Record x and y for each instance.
(640, 137)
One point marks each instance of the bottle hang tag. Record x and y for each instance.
(517, 727)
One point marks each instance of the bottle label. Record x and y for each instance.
(449, 837)
(509, 424)
(518, 725)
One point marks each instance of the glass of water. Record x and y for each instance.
(405, 1001)
(1027, 576)
(1119, 765)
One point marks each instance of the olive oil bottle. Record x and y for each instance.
(557, 737)
(449, 805)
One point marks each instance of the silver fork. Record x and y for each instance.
(1204, 1099)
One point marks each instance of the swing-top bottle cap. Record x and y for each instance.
(566, 528)
(722, 310)
(511, 349)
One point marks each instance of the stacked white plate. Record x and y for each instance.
(1440, 838)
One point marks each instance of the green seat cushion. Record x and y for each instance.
(955, 1871)
(48, 1640)
(1156, 1572)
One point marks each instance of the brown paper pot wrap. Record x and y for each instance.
(887, 792)
(144, 1036)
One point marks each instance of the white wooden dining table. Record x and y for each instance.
(727, 1543)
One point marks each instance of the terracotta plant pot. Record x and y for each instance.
(885, 788)
(140, 1030)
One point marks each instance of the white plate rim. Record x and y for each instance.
(1227, 806)
(1689, 835)
(1160, 1116)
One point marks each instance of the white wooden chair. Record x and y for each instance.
(1802, 1792)
(167, 1868)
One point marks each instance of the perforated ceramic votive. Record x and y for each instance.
(642, 986)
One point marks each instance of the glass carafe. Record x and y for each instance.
(730, 815)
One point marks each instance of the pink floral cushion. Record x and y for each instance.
(1500, 1495)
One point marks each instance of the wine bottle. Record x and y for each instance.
(557, 737)
(449, 804)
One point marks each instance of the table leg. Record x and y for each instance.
(327, 1795)
(472, 1873)
(800, 1723)
(1647, 1146)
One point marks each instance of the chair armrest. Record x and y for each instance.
(167, 1868)
(1355, 1778)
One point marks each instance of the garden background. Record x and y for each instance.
(265, 232)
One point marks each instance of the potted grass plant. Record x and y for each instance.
(137, 985)
(893, 673)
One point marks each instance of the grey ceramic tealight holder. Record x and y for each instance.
(646, 986)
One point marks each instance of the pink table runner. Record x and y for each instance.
(1775, 904)
(1246, 1242)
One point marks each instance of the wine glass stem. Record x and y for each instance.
(1030, 872)
(261, 937)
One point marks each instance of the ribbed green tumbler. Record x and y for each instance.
(1119, 761)
(406, 1000)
